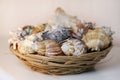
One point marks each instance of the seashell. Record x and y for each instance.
(96, 39)
(38, 28)
(89, 25)
(19, 35)
(49, 48)
(62, 19)
(73, 47)
(78, 31)
(29, 45)
(108, 31)
(47, 27)
(58, 34)
(27, 30)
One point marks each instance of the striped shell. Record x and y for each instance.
(96, 39)
(73, 47)
(49, 48)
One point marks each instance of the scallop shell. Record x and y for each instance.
(96, 39)
(49, 48)
(73, 47)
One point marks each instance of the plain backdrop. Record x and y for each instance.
(17, 13)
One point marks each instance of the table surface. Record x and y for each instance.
(11, 68)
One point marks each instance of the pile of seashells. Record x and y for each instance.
(61, 35)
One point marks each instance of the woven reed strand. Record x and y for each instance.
(59, 65)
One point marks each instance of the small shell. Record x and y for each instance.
(73, 47)
(108, 31)
(27, 30)
(96, 39)
(38, 28)
(19, 35)
(29, 45)
(79, 30)
(58, 34)
(49, 48)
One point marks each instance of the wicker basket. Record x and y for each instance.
(60, 65)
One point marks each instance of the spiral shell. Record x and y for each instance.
(73, 47)
(71, 22)
(97, 39)
(49, 48)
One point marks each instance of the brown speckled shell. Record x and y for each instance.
(49, 48)
(38, 28)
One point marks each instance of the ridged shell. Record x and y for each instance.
(58, 34)
(73, 47)
(49, 48)
(96, 39)
(29, 45)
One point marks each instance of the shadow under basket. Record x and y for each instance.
(60, 65)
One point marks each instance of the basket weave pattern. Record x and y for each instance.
(60, 65)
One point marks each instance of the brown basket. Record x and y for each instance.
(60, 65)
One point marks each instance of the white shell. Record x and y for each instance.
(67, 21)
(73, 47)
(29, 45)
(62, 19)
(97, 39)
(19, 35)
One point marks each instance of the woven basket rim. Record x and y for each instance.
(60, 65)
(82, 55)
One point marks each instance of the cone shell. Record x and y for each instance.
(49, 48)
(73, 47)
(96, 39)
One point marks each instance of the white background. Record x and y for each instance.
(17, 13)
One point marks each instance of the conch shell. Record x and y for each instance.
(62, 19)
(73, 47)
(98, 38)
(49, 48)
